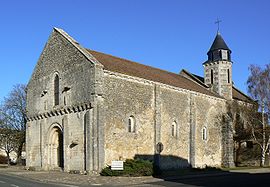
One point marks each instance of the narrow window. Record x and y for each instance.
(131, 124)
(56, 90)
(229, 56)
(220, 54)
(212, 76)
(204, 133)
(224, 55)
(174, 129)
(228, 72)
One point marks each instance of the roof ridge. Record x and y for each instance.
(109, 65)
(135, 62)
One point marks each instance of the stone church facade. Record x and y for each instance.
(86, 109)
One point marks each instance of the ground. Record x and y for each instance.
(18, 177)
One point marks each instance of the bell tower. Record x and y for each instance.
(218, 68)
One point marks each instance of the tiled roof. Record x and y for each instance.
(128, 67)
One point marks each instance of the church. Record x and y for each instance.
(86, 109)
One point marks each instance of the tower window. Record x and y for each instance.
(224, 55)
(229, 56)
(131, 124)
(212, 76)
(174, 129)
(204, 133)
(228, 72)
(56, 90)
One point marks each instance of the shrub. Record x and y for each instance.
(3, 159)
(132, 167)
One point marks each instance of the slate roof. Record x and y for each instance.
(127, 67)
(219, 43)
(236, 93)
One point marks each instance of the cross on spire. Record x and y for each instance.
(217, 22)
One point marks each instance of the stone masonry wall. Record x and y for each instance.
(220, 78)
(175, 109)
(76, 73)
(209, 115)
(38, 152)
(59, 57)
(126, 96)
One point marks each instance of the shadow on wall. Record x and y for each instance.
(164, 162)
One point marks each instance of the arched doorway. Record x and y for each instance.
(56, 151)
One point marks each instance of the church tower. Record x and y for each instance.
(218, 68)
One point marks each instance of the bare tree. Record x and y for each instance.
(14, 108)
(9, 141)
(239, 113)
(248, 124)
(13, 117)
(259, 88)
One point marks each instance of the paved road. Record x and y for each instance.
(229, 180)
(12, 181)
(9, 180)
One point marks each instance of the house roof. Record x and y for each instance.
(236, 93)
(135, 69)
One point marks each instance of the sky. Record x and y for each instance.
(166, 34)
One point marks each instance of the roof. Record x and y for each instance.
(236, 93)
(135, 69)
(196, 78)
(127, 67)
(219, 43)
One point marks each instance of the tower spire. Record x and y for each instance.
(218, 68)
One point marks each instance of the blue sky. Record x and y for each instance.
(167, 34)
